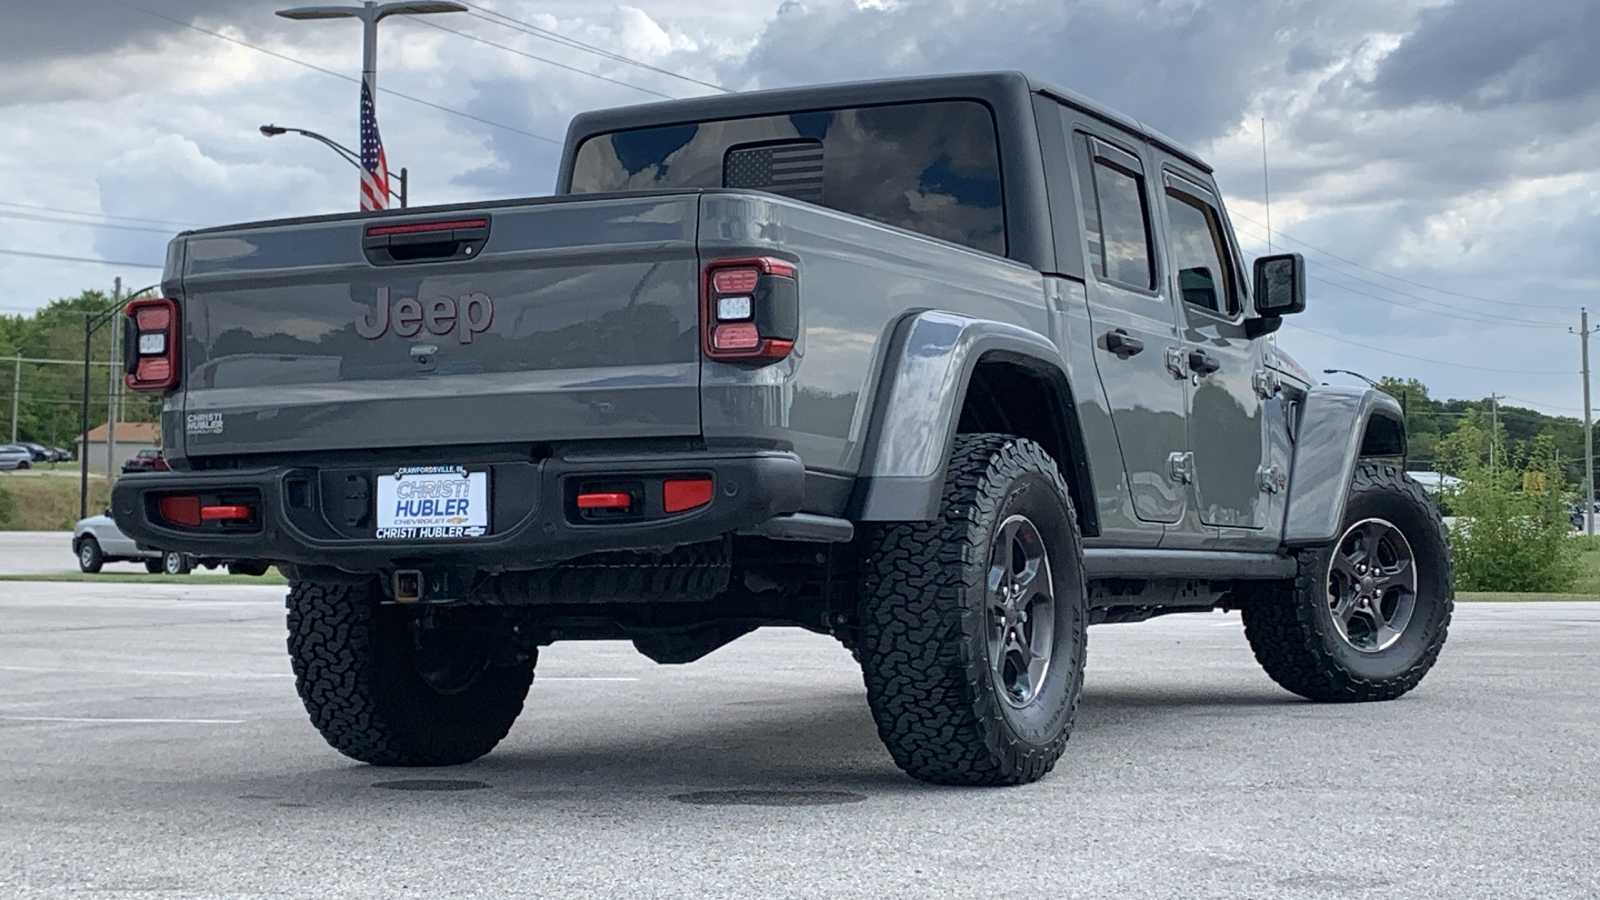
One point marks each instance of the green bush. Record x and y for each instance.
(8, 507)
(1512, 532)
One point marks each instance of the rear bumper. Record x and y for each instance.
(322, 516)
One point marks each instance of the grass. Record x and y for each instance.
(272, 577)
(45, 501)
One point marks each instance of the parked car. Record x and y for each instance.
(14, 457)
(97, 540)
(62, 454)
(146, 461)
(39, 452)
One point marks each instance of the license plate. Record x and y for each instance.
(433, 502)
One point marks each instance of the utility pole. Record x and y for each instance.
(1494, 430)
(1266, 187)
(111, 387)
(16, 397)
(1588, 429)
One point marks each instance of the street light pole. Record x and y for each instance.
(1405, 415)
(371, 13)
(345, 153)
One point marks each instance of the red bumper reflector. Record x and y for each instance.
(181, 510)
(679, 495)
(739, 336)
(228, 513)
(605, 500)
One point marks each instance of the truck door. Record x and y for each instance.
(1224, 408)
(1134, 324)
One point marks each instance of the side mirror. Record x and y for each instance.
(1280, 285)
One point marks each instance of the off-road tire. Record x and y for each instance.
(925, 620)
(1292, 631)
(153, 565)
(355, 667)
(90, 557)
(175, 563)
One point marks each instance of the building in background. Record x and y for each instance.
(131, 438)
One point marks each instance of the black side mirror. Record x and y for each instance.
(1280, 285)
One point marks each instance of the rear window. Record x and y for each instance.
(931, 167)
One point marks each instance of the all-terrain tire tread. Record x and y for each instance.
(1285, 638)
(914, 660)
(351, 698)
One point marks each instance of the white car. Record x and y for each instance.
(97, 540)
(14, 457)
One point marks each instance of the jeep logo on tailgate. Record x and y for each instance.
(471, 315)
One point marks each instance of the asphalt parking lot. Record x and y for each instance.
(151, 745)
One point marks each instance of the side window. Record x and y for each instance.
(1116, 220)
(1199, 254)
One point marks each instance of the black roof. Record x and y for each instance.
(981, 85)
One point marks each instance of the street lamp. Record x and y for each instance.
(344, 152)
(370, 13)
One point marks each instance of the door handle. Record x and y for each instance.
(1202, 363)
(1118, 342)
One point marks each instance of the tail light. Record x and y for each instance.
(150, 345)
(752, 310)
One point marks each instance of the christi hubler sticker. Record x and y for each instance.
(203, 423)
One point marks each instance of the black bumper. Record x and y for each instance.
(322, 516)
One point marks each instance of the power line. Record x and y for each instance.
(560, 65)
(1499, 302)
(1440, 362)
(340, 75)
(84, 259)
(58, 221)
(1445, 308)
(546, 34)
(1514, 323)
(100, 215)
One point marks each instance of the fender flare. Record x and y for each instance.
(921, 391)
(1338, 426)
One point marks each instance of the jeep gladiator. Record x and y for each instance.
(947, 368)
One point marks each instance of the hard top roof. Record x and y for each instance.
(980, 85)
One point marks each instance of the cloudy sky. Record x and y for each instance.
(1438, 163)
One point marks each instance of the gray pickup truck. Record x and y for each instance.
(947, 368)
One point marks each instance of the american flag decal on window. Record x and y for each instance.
(374, 166)
(793, 169)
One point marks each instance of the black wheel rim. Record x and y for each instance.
(1372, 585)
(1021, 606)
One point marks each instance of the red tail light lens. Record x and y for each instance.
(680, 494)
(150, 345)
(750, 310)
(181, 510)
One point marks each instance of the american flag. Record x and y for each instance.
(374, 166)
(792, 168)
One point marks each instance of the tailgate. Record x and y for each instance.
(567, 319)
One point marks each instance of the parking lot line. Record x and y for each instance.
(96, 720)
